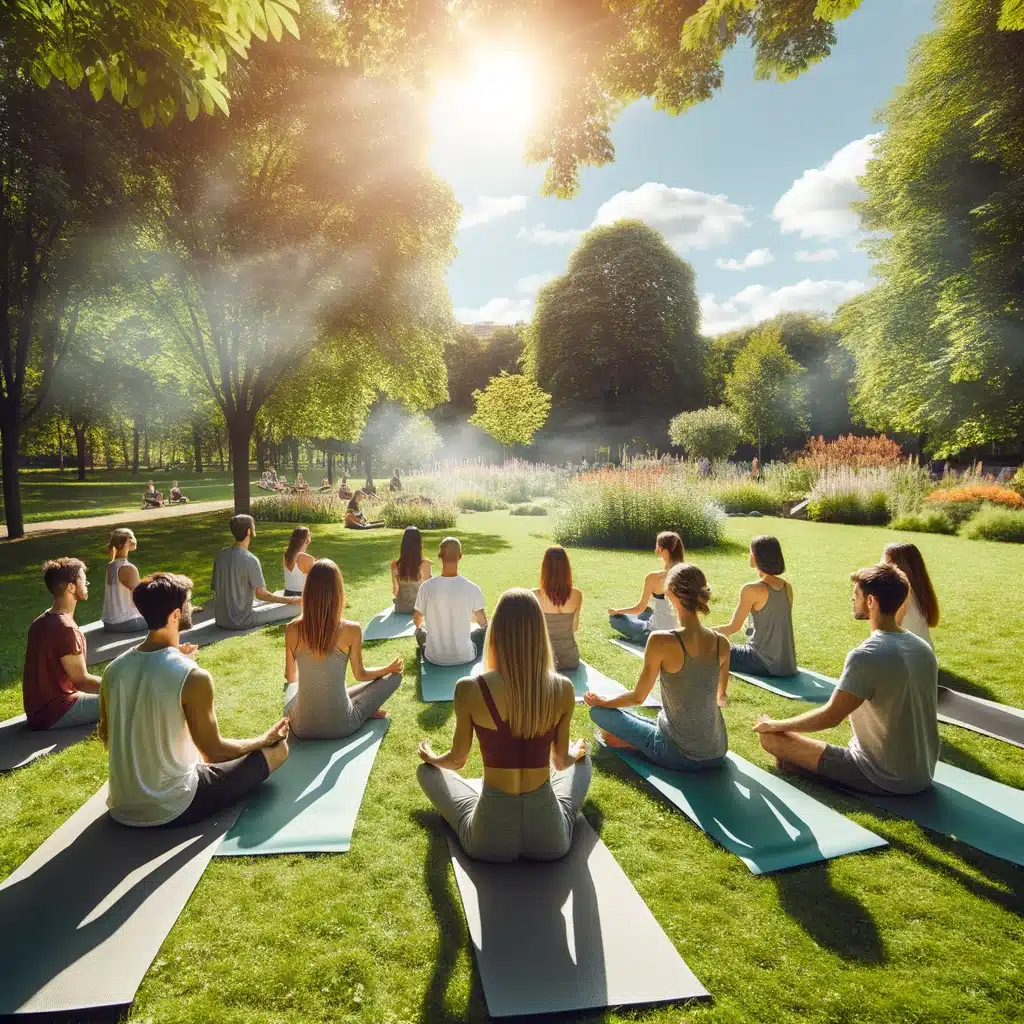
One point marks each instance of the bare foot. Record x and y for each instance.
(613, 741)
(379, 713)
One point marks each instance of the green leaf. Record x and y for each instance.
(191, 105)
(118, 85)
(273, 20)
(74, 72)
(1012, 17)
(835, 10)
(40, 74)
(147, 115)
(166, 109)
(98, 82)
(259, 24)
(217, 93)
(235, 41)
(287, 17)
(294, 4)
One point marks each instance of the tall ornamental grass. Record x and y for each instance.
(300, 508)
(746, 497)
(845, 496)
(511, 483)
(426, 515)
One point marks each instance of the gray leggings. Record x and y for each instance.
(498, 826)
(365, 699)
(85, 711)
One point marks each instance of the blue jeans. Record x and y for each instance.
(743, 658)
(645, 734)
(633, 627)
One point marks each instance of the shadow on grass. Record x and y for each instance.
(962, 685)
(960, 758)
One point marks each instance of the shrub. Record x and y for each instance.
(960, 503)
(788, 481)
(931, 521)
(1017, 481)
(747, 497)
(851, 451)
(711, 433)
(905, 488)
(425, 515)
(843, 496)
(475, 502)
(299, 508)
(528, 510)
(991, 523)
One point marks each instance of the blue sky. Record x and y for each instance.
(752, 187)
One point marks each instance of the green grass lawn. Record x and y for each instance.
(926, 930)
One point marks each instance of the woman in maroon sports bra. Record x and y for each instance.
(535, 780)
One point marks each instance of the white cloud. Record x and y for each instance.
(498, 311)
(757, 302)
(532, 283)
(688, 219)
(488, 208)
(541, 234)
(756, 258)
(818, 202)
(817, 255)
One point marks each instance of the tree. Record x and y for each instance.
(472, 361)
(618, 333)
(939, 341)
(765, 389)
(512, 408)
(712, 433)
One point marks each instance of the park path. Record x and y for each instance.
(122, 518)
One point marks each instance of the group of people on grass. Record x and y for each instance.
(169, 763)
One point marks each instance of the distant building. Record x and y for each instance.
(484, 329)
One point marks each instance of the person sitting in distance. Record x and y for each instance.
(888, 690)
(58, 691)
(521, 713)
(151, 497)
(319, 647)
(344, 491)
(446, 608)
(238, 579)
(119, 612)
(409, 571)
(354, 518)
(396, 483)
(692, 663)
(369, 487)
(637, 623)
(769, 603)
(300, 483)
(325, 485)
(561, 603)
(168, 763)
(297, 561)
(177, 498)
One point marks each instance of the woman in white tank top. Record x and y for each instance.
(637, 623)
(119, 612)
(296, 562)
(920, 611)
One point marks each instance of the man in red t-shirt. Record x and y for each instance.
(56, 686)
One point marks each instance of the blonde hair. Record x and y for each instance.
(450, 549)
(323, 604)
(519, 650)
(121, 536)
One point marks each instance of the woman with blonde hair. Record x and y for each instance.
(408, 571)
(319, 646)
(119, 612)
(692, 663)
(637, 623)
(297, 561)
(561, 603)
(919, 614)
(521, 712)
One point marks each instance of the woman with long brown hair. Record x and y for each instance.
(637, 623)
(521, 713)
(408, 571)
(561, 603)
(320, 646)
(354, 518)
(919, 614)
(297, 562)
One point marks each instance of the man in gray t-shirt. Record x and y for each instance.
(238, 580)
(888, 690)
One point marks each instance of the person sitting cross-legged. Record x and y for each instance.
(446, 608)
(395, 484)
(238, 580)
(888, 690)
(119, 613)
(354, 517)
(151, 497)
(168, 763)
(177, 498)
(344, 491)
(58, 691)
(637, 623)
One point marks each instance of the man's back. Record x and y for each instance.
(47, 691)
(237, 574)
(448, 604)
(152, 756)
(896, 733)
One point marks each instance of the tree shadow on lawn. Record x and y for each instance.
(957, 682)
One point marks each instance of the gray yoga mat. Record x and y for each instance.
(389, 625)
(85, 915)
(566, 936)
(20, 746)
(437, 682)
(310, 804)
(967, 807)
(768, 823)
(1000, 721)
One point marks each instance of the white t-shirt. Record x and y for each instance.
(895, 739)
(447, 604)
(915, 622)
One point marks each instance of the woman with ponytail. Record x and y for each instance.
(637, 623)
(119, 612)
(692, 663)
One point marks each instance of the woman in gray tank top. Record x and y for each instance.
(319, 647)
(561, 603)
(769, 603)
(408, 571)
(692, 663)
(653, 611)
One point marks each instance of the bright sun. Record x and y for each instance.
(496, 98)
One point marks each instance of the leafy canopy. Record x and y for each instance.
(713, 433)
(512, 408)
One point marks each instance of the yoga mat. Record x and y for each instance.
(389, 625)
(310, 804)
(437, 682)
(568, 935)
(20, 746)
(586, 677)
(1000, 721)
(805, 685)
(968, 808)
(87, 912)
(630, 646)
(768, 823)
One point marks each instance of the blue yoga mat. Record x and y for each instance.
(310, 804)
(805, 685)
(437, 682)
(969, 808)
(586, 677)
(389, 625)
(768, 823)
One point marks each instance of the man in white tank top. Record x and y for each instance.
(168, 763)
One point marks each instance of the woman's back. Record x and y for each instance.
(294, 578)
(323, 708)
(773, 637)
(690, 714)
(117, 598)
(563, 640)
(915, 622)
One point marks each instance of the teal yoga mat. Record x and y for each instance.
(969, 808)
(586, 677)
(437, 682)
(310, 804)
(389, 625)
(805, 685)
(629, 646)
(769, 824)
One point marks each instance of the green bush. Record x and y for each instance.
(1017, 480)
(299, 508)
(517, 491)
(474, 501)
(857, 508)
(957, 512)
(788, 481)
(528, 510)
(931, 521)
(747, 497)
(991, 523)
(425, 515)
(711, 433)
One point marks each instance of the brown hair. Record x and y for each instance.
(410, 556)
(121, 536)
(353, 502)
(556, 575)
(690, 586)
(907, 557)
(885, 583)
(767, 552)
(241, 525)
(673, 544)
(323, 603)
(300, 535)
(158, 595)
(59, 573)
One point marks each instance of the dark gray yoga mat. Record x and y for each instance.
(85, 915)
(999, 721)
(20, 746)
(566, 936)
(389, 625)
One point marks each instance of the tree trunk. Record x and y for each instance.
(295, 456)
(330, 466)
(60, 445)
(145, 454)
(240, 434)
(197, 448)
(10, 437)
(220, 449)
(135, 447)
(80, 448)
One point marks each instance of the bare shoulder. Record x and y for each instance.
(198, 685)
(349, 632)
(577, 597)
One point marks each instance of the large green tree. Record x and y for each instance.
(618, 333)
(512, 408)
(940, 340)
(472, 361)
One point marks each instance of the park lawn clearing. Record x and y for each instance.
(926, 930)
